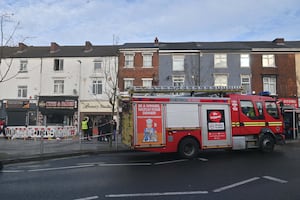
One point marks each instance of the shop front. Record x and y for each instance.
(19, 112)
(58, 110)
(99, 112)
(291, 117)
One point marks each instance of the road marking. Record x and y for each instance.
(12, 171)
(60, 168)
(169, 162)
(155, 194)
(203, 159)
(275, 179)
(88, 198)
(122, 164)
(236, 184)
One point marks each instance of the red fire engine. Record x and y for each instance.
(158, 122)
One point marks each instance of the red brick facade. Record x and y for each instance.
(138, 71)
(285, 73)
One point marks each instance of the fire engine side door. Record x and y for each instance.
(216, 126)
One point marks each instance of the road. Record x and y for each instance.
(137, 175)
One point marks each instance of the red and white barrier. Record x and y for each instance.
(47, 132)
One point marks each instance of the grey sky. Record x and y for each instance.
(72, 22)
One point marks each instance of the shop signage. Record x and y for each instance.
(64, 104)
(17, 104)
(95, 106)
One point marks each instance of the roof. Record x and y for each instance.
(63, 51)
(89, 50)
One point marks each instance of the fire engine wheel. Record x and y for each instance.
(267, 144)
(188, 148)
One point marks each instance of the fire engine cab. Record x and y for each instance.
(154, 121)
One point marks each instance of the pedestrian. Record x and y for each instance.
(84, 128)
(90, 129)
(3, 129)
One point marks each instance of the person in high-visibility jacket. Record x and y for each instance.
(84, 128)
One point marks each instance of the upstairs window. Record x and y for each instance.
(23, 66)
(129, 60)
(220, 79)
(58, 64)
(147, 82)
(97, 66)
(178, 63)
(58, 86)
(268, 60)
(220, 60)
(178, 81)
(245, 60)
(269, 84)
(147, 60)
(128, 82)
(97, 86)
(245, 82)
(22, 91)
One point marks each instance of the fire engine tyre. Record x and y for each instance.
(188, 148)
(267, 143)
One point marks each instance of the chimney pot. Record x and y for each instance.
(156, 41)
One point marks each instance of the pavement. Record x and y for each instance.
(19, 150)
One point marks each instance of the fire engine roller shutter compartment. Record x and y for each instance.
(148, 125)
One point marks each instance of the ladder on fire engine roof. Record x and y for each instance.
(184, 89)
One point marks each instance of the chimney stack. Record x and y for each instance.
(54, 47)
(88, 46)
(22, 47)
(279, 41)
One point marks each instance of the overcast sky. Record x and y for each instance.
(72, 22)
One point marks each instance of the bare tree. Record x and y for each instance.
(6, 53)
(111, 73)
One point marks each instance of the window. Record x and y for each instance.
(58, 64)
(272, 109)
(220, 79)
(97, 66)
(128, 82)
(248, 109)
(269, 84)
(178, 63)
(220, 60)
(23, 65)
(22, 91)
(245, 82)
(58, 86)
(259, 107)
(268, 60)
(245, 60)
(178, 81)
(97, 86)
(147, 60)
(147, 82)
(129, 60)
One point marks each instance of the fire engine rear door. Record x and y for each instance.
(216, 126)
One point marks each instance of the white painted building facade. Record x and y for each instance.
(56, 84)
